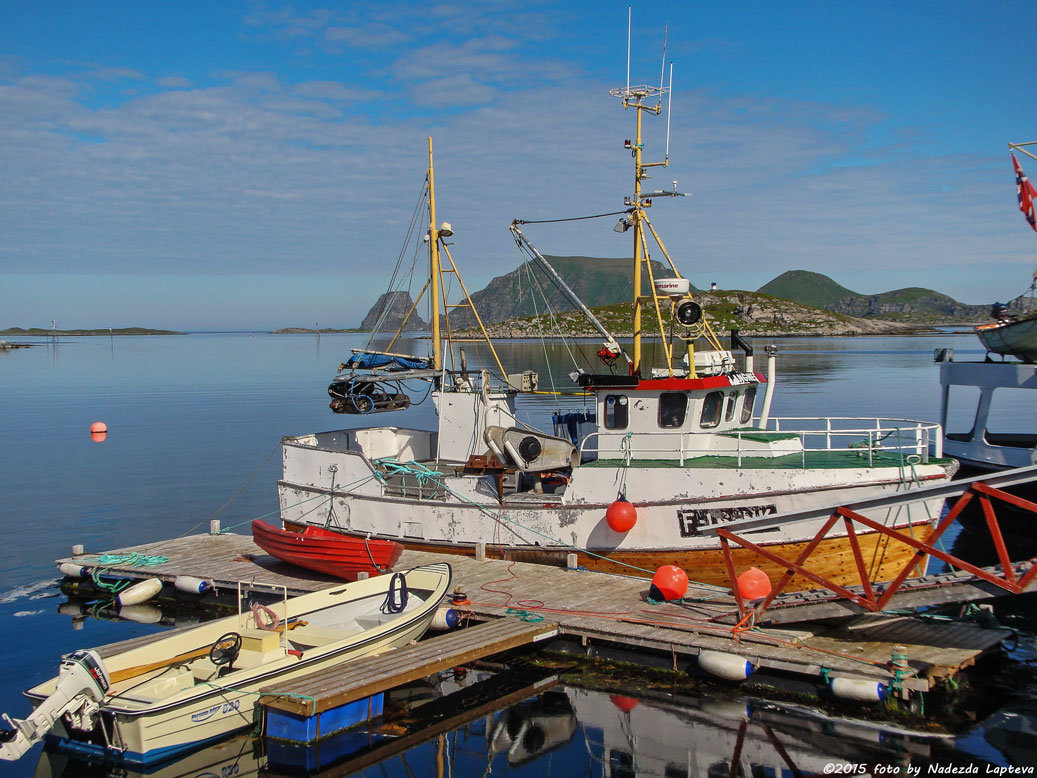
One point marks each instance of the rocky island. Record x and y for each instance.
(41, 332)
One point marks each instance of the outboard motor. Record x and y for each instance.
(82, 684)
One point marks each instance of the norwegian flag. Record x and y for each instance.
(1027, 194)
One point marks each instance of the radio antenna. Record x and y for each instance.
(630, 12)
(669, 108)
(662, 67)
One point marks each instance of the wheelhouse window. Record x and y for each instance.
(673, 409)
(747, 405)
(729, 410)
(711, 407)
(617, 412)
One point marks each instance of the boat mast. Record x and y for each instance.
(635, 97)
(435, 272)
(639, 97)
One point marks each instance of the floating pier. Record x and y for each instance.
(306, 709)
(600, 614)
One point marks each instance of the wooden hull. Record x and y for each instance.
(326, 551)
(833, 559)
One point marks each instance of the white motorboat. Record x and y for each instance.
(148, 702)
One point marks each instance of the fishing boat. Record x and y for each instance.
(146, 703)
(665, 445)
(325, 551)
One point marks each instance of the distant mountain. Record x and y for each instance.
(910, 304)
(806, 288)
(596, 281)
(913, 304)
(397, 303)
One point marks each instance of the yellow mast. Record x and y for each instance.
(637, 215)
(633, 97)
(434, 262)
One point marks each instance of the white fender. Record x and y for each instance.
(731, 667)
(72, 570)
(139, 592)
(192, 585)
(445, 618)
(863, 689)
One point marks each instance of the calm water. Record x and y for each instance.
(193, 418)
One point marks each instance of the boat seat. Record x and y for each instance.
(310, 637)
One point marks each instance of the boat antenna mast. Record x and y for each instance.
(438, 247)
(644, 98)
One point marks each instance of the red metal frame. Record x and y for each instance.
(1008, 580)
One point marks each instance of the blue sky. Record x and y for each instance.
(250, 165)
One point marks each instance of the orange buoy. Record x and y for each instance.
(668, 583)
(621, 516)
(98, 426)
(625, 704)
(754, 584)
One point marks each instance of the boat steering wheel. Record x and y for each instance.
(225, 650)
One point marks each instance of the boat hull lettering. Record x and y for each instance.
(691, 522)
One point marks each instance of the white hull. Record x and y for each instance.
(454, 510)
(150, 716)
(1011, 338)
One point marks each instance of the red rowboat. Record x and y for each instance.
(326, 551)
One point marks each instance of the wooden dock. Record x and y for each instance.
(597, 610)
(331, 688)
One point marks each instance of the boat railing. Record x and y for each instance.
(872, 438)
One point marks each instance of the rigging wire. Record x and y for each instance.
(554, 282)
(572, 218)
(530, 268)
(383, 314)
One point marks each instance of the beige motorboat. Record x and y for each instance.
(149, 702)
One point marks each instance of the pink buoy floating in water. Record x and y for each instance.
(98, 431)
(621, 516)
(668, 583)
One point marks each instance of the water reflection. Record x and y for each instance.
(569, 731)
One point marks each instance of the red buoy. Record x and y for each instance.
(621, 516)
(754, 584)
(668, 583)
(625, 704)
(98, 426)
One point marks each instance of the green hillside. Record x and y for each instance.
(912, 304)
(596, 281)
(752, 313)
(806, 288)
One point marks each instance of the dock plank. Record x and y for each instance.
(331, 687)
